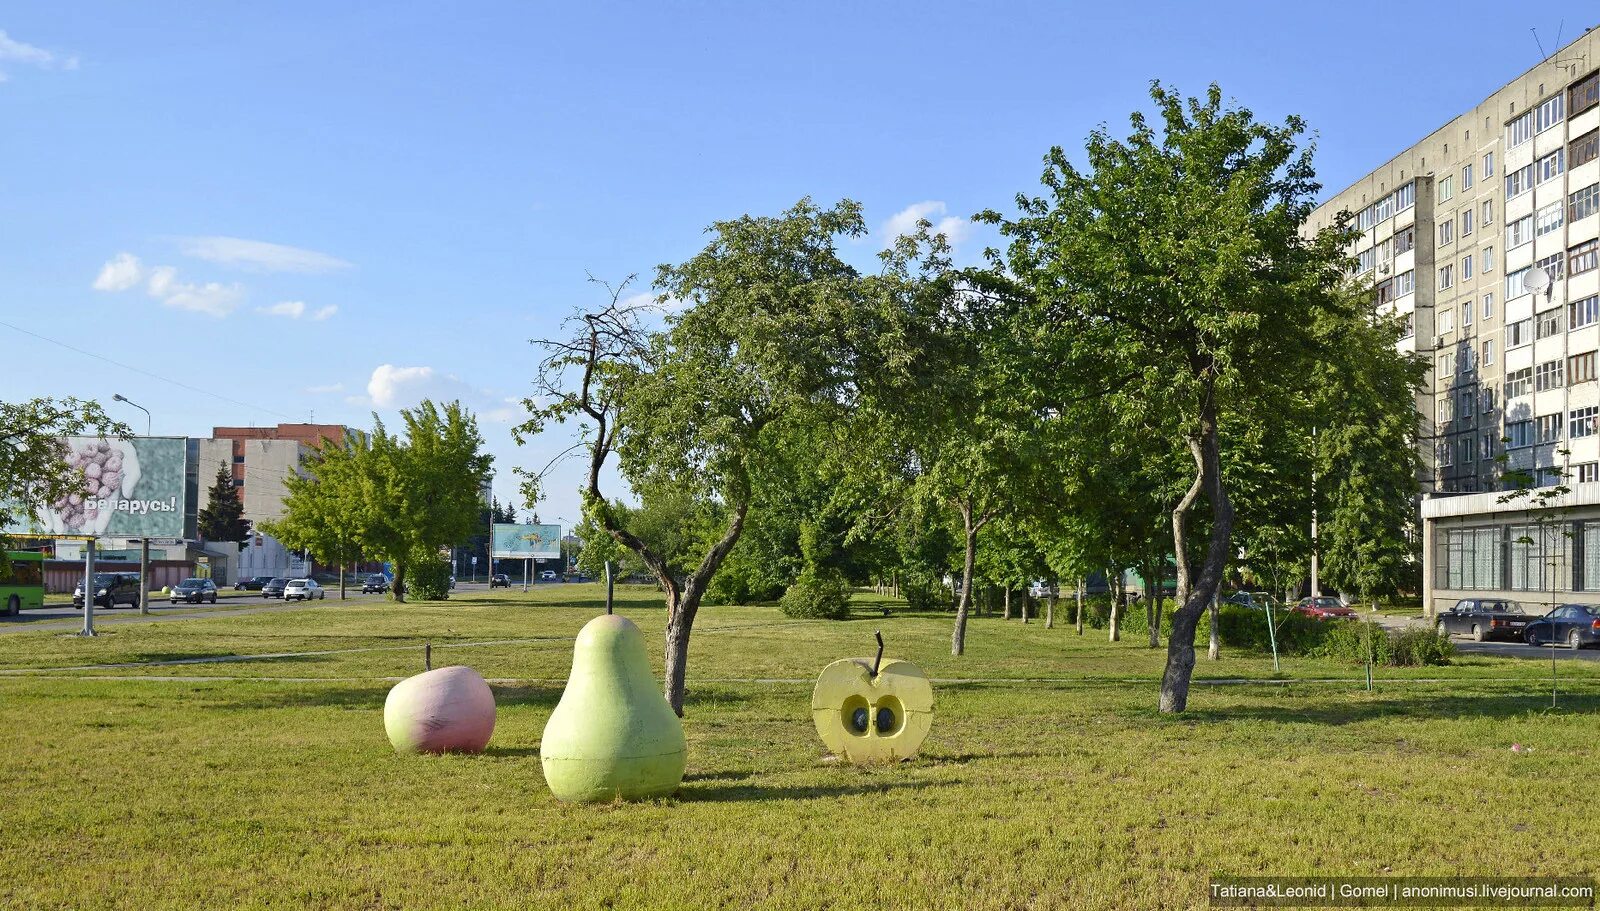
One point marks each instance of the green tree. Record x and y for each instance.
(326, 510)
(695, 408)
(1179, 293)
(222, 518)
(33, 467)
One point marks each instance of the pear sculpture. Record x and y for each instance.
(612, 735)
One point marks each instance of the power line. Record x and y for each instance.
(140, 370)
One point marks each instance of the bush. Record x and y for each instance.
(817, 595)
(925, 596)
(428, 580)
(1418, 647)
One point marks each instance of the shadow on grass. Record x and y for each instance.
(1334, 711)
(746, 792)
(512, 752)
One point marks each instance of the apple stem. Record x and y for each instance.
(878, 661)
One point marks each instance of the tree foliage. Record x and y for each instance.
(33, 467)
(222, 518)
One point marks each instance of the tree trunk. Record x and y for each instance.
(1078, 619)
(682, 607)
(1202, 588)
(1027, 599)
(1115, 629)
(341, 581)
(1050, 609)
(1152, 600)
(1214, 650)
(958, 636)
(399, 587)
(1007, 614)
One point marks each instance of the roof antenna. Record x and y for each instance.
(1542, 55)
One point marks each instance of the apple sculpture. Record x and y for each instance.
(446, 710)
(869, 711)
(612, 735)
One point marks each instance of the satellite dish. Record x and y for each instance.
(1538, 280)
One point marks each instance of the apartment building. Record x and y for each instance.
(1452, 229)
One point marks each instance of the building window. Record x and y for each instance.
(1447, 232)
(1447, 364)
(1466, 223)
(1474, 559)
(1365, 260)
(1584, 203)
(1405, 283)
(1581, 422)
(1468, 399)
(1517, 282)
(1466, 313)
(1488, 212)
(1539, 557)
(1550, 166)
(1519, 434)
(1547, 429)
(1486, 447)
(1519, 232)
(1405, 240)
(1519, 130)
(1554, 265)
(1487, 400)
(1583, 313)
(1547, 324)
(1582, 258)
(1466, 177)
(1551, 111)
(1446, 410)
(1584, 149)
(1580, 369)
(1488, 351)
(1488, 306)
(1405, 197)
(1446, 191)
(1519, 181)
(1548, 218)
(1488, 164)
(1446, 320)
(1584, 94)
(1547, 376)
(1587, 472)
(1466, 267)
(1385, 291)
(1487, 259)
(1519, 383)
(1447, 278)
(1409, 327)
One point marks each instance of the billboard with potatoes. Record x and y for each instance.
(130, 487)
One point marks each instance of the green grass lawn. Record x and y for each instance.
(1048, 780)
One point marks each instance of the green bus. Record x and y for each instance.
(21, 581)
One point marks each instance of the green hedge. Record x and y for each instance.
(817, 595)
(428, 580)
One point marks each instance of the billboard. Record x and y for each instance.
(521, 542)
(132, 488)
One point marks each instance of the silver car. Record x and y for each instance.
(303, 590)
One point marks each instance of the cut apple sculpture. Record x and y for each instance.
(447, 710)
(867, 710)
(612, 735)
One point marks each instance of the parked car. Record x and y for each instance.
(377, 582)
(1576, 625)
(1324, 607)
(253, 584)
(193, 591)
(499, 580)
(274, 588)
(303, 590)
(1252, 600)
(111, 589)
(548, 575)
(1485, 618)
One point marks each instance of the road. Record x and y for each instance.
(1495, 649)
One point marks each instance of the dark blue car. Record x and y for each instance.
(1572, 625)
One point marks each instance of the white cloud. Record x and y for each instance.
(120, 273)
(325, 312)
(14, 51)
(905, 222)
(259, 255)
(212, 298)
(399, 387)
(290, 309)
(327, 389)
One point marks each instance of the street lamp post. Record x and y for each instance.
(119, 397)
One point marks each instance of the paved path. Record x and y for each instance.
(70, 619)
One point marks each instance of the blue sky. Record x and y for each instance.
(340, 208)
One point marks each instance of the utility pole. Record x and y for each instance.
(144, 575)
(88, 588)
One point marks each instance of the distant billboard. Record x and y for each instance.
(523, 542)
(132, 488)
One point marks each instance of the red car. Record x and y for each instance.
(1325, 608)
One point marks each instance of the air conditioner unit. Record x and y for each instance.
(1383, 268)
(1439, 342)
